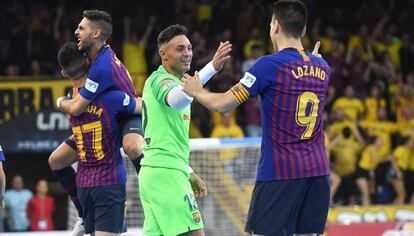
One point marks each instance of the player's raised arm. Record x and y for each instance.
(220, 102)
(178, 99)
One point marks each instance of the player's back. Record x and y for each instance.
(293, 87)
(97, 138)
(107, 73)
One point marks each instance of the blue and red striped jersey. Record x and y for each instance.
(98, 140)
(292, 86)
(107, 72)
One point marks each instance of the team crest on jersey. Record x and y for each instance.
(91, 86)
(126, 100)
(248, 79)
(196, 217)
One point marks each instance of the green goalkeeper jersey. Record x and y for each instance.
(166, 130)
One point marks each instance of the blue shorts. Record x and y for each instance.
(287, 207)
(103, 208)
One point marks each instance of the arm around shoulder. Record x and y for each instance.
(75, 106)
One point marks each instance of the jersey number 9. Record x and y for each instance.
(307, 120)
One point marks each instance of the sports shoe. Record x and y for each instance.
(78, 229)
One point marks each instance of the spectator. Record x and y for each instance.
(256, 52)
(381, 128)
(16, 200)
(401, 158)
(374, 102)
(351, 105)
(346, 153)
(133, 51)
(227, 129)
(365, 176)
(253, 122)
(41, 208)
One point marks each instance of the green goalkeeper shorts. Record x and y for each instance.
(169, 204)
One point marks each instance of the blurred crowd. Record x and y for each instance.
(27, 211)
(369, 116)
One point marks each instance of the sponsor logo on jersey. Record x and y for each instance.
(248, 79)
(126, 100)
(91, 86)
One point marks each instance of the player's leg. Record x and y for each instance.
(313, 210)
(362, 177)
(109, 204)
(274, 207)
(172, 202)
(88, 206)
(60, 163)
(335, 183)
(132, 139)
(397, 181)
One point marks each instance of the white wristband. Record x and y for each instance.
(58, 101)
(190, 169)
(207, 72)
(123, 153)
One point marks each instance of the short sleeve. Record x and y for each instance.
(162, 85)
(126, 104)
(97, 82)
(252, 78)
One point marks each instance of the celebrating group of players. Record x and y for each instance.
(291, 194)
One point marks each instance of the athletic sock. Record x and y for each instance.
(67, 178)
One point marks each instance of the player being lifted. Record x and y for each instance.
(291, 194)
(105, 72)
(166, 193)
(101, 175)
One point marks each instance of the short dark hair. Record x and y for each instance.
(101, 19)
(72, 61)
(170, 32)
(292, 16)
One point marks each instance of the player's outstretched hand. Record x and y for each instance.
(315, 51)
(192, 84)
(198, 185)
(222, 55)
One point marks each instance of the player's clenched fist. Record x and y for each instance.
(192, 84)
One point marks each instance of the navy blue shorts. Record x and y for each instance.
(287, 207)
(131, 125)
(103, 208)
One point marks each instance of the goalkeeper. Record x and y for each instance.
(167, 195)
